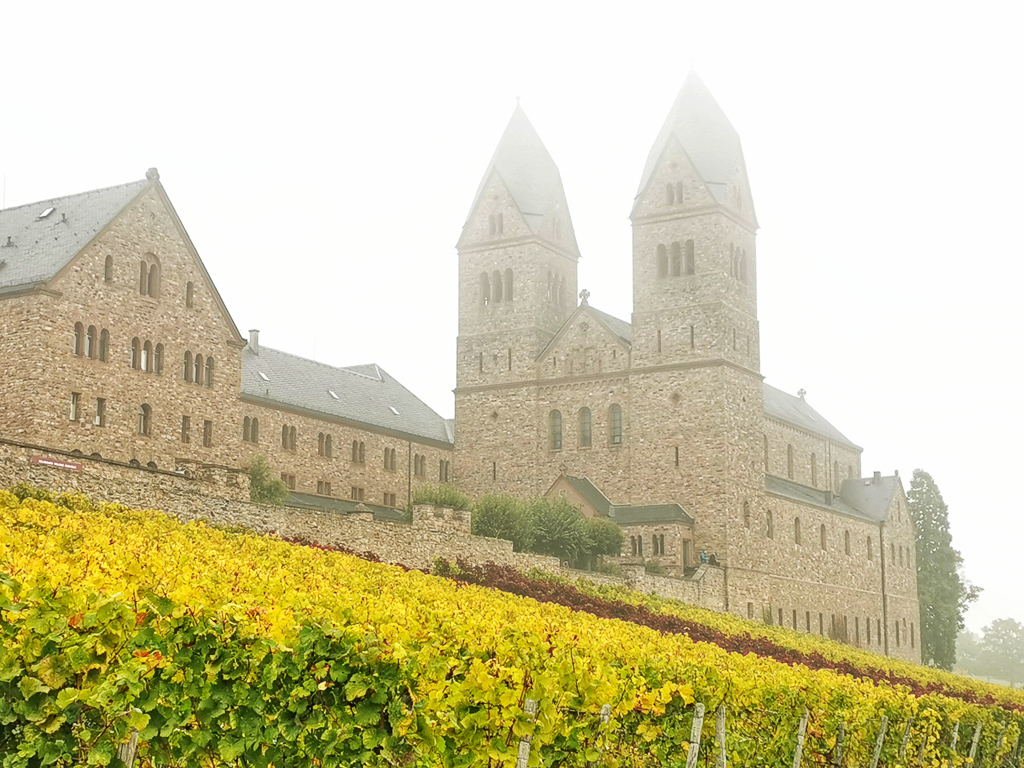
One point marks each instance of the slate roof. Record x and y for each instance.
(366, 394)
(341, 506)
(585, 488)
(40, 248)
(795, 410)
(529, 173)
(706, 135)
(650, 513)
(620, 328)
(871, 496)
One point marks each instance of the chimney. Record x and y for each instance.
(254, 343)
(877, 477)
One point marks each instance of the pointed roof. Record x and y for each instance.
(796, 411)
(622, 330)
(41, 246)
(706, 135)
(529, 173)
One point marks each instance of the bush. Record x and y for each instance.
(605, 537)
(264, 486)
(442, 495)
(560, 530)
(504, 517)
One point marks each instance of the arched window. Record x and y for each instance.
(355, 451)
(743, 267)
(320, 443)
(247, 429)
(555, 429)
(90, 342)
(691, 264)
(632, 545)
(158, 359)
(145, 418)
(133, 359)
(143, 278)
(189, 295)
(108, 269)
(485, 290)
(640, 545)
(796, 530)
(679, 192)
(197, 369)
(501, 224)
(563, 294)
(496, 283)
(291, 438)
(387, 456)
(789, 461)
(746, 513)
(824, 537)
(814, 470)
(615, 424)
(766, 453)
(901, 557)
(835, 476)
(769, 525)
(846, 541)
(188, 366)
(585, 428)
(892, 553)
(209, 371)
(104, 352)
(394, 457)
(662, 262)
(492, 225)
(255, 429)
(153, 285)
(147, 355)
(329, 447)
(670, 194)
(871, 551)
(78, 342)
(677, 260)
(508, 285)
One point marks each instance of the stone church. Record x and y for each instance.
(116, 345)
(664, 423)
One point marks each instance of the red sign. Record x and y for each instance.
(47, 461)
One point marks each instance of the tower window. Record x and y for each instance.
(189, 295)
(90, 342)
(585, 428)
(677, 260)
(78, 341)
(796, 530)
(555, 430)
(789, 461)
(197, 369)
(659, 340)
(145, 417)
(670, 194)
(508, 285)
(100, 417)
(188, 366)
(76, 404)
(496, 282)
(690, 266)
(824, 537)
(677, 464)
(134, 355)
(662, 262)
(769, 525)
(108, 269)
(814, 470)
(209, 371)
(158, 359)
(207, 433)
(186, 429)
(104, 352)
(149, 276)
(615, 424)
(846, 541)
(147, 356)
(485, 290)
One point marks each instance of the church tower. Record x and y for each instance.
(695, 351)
(517, 285)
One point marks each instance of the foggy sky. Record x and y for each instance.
(323, 159)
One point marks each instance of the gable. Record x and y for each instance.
(588, 342)
(672, 176)
(495, 216)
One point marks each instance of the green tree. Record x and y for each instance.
(504, 517)
(560, 530)
(943, 593)
(442, 495)
(1002, 650)
(605, 536)
(264, 486)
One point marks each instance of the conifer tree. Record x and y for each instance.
(943, 594)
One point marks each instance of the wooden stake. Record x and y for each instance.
(879, 741)
(698, 725)
(906, 738)
(999, 741)
(974, 742)
(924, 744)
(606, 713)
(126, 751)
(952, 743)
(800, 736)
(530, 708)
(837, 755)
(720, 758)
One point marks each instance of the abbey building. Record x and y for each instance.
(116, 345)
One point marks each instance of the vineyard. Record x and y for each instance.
(220, 648)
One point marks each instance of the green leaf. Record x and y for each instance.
(30, 686)
(66, 697)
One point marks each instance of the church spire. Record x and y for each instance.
(523, 165)
(701, 128)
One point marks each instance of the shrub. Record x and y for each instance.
(264, 486)
(560, 530)
(605, 536)
(442, 495)
(504, 517)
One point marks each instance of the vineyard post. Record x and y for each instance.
(720, 736)
(698, 725)
(530, 708)
(879, 741)
(126, 751)
(606, 713)
(952, 743)
(924, 745)
(906, 738)
(974, 742)
(837, 755)
(800, 734)
(999, 741)
(1016, 752)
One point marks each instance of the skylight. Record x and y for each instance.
(263, 375)
(46, 213)
(393, 409)
(333, 393)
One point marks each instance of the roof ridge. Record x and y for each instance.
(326, 365)
(74, 194)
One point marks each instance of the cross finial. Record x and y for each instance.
(584, 295)
(802, 394)
(517, 101)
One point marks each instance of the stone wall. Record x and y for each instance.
(828, 456)
(217, 494)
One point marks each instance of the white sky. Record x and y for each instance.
(324, 156)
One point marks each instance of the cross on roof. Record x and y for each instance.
(584, 295)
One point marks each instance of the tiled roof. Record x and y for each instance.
(872, 496)
(650, 513)
(590, 493)
(620, 328)
(529, 173)
(795, 410)
(40, 247)
(365, 394)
